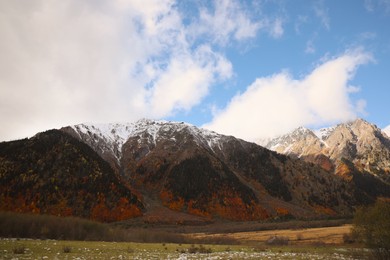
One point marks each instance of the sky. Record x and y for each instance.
(252, 69)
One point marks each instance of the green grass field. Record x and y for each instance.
(53, 249)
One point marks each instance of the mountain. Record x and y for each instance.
(355, 150)
(200, 172)
(53, 173)
(173, 172)
(387, 131)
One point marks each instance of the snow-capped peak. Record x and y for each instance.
(286, 140)
(387, 130)
(324, 133)
(111, 137)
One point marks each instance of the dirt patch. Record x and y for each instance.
(325, 235)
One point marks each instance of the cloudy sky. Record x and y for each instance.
(253, 69)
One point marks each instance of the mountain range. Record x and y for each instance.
(359, 143)
(160, 171)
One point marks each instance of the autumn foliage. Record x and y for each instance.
(222, 205)
(123, 210)
(55, 174)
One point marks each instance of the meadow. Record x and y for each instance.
(55, 249)
(48, 237)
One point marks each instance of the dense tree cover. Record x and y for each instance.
(53, 173)
(372, 227)
(197, 187)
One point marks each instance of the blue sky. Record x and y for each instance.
(253, 69)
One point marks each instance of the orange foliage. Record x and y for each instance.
(18, 204)
(177, 204)
(344, 171)
(100, 211)
(234, 208)
(196, 211)
(165, 196)
(170, 201)
(125, 210)
(324, 210)
(282, 211)
(60, 209)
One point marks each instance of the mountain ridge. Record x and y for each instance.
(360, 142)
(151, 133)
(179, 173)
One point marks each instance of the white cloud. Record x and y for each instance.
(385, 4)
(227, 20)
(322, 13)
(369, 5)
(360, 107)
(276, 104)
(310, 48)
(276, 29)
(186, 81)
(373, 5)
(74, 61)
(300, 21)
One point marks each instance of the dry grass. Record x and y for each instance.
(54, 249)
(307, 236)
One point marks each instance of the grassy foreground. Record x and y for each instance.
(56, 249)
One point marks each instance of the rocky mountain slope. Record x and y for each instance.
(357, 146)
(174, 172)
(200, 172)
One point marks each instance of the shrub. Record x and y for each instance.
(66, 249)
(318, 243)
(372, 227)
(201, 249)
(277, 241)
(20, 249)
(259, 248)
(299, 236)
(348, 238)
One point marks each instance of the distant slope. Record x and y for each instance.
(53, 173)
(357, 151)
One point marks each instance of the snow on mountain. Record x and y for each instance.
(324, 133)
(109, 138)
(362, 143)
(387, 130)
(287, 143)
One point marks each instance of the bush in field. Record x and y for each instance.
(66, 249)
(20, 249)
(201, 249)
(348, 238)
(277, 241)
(372, 227)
